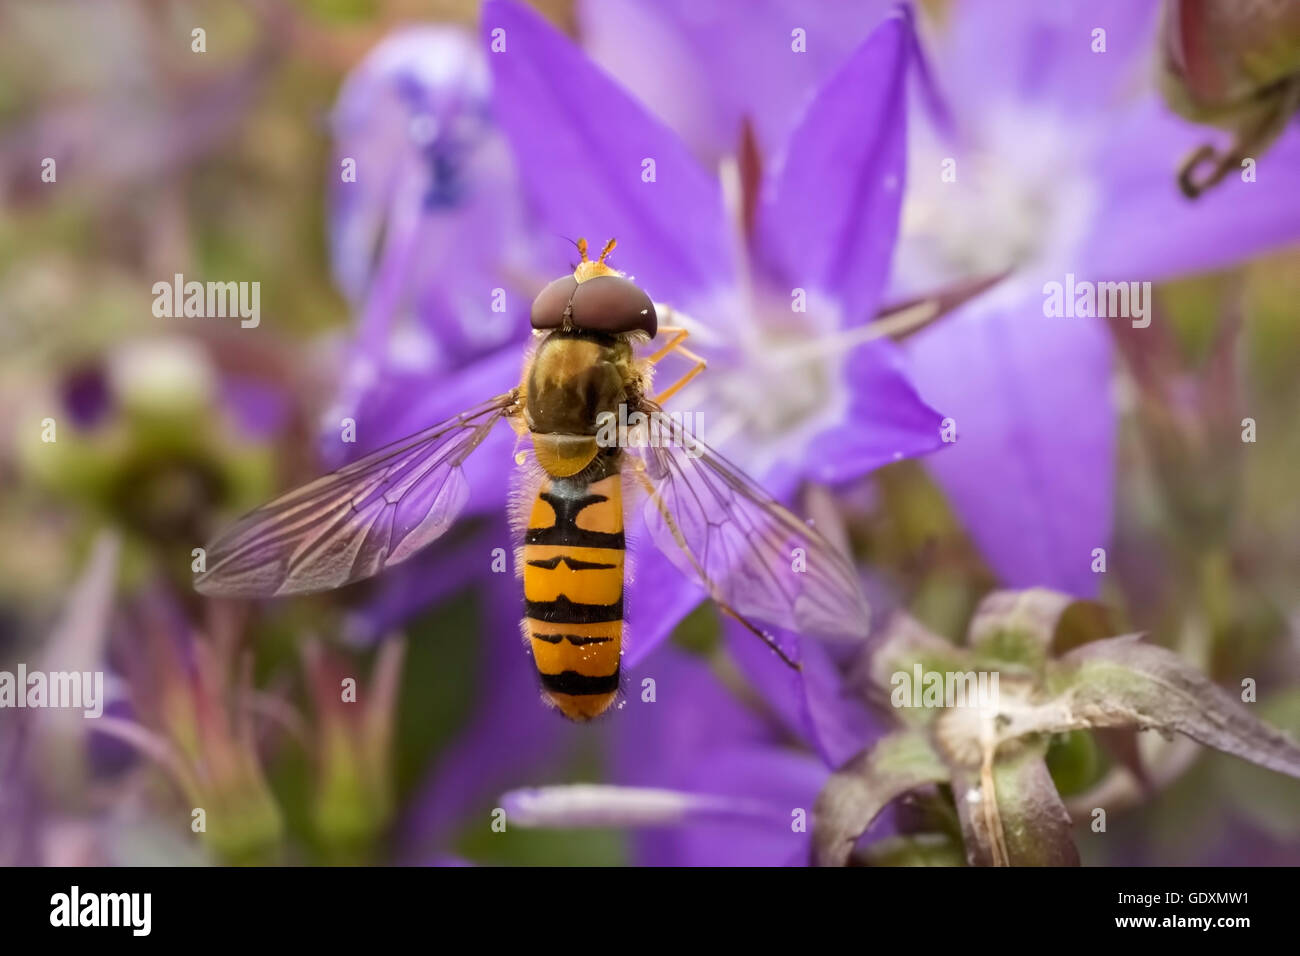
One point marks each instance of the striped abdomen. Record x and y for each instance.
(573, 591)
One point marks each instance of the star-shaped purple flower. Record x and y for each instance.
(779, 289)
(1054, 156)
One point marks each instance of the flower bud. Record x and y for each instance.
(354, 800)
(1233, 65)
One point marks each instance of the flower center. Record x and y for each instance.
(779, 384)
(1021, 199)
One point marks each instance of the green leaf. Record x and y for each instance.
(1074, 761)
(903, 644)
(1271, 802)
(1022, 628)
(856, 793)
(920, 849)
(1011, 814)
(1122, 682)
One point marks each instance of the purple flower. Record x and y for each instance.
(426, 236)
(1067, 165)
(798, 386)
(1064, 161)
(428, 242)
(703, 779)
(840, 406)
(706, 67)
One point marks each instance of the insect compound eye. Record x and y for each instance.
(614, 304)
(549, 306)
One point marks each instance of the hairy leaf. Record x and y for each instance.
(1122, 682)
(903, 644)
(856, 793)
(1011, 814)
(1024, 627)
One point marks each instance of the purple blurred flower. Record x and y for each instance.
(1064, 168)
(86, 394)
(44, 765)
(823, 229)
(425, 225)
(705, 67)
(1066, 165)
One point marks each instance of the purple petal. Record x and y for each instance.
(431, 223)
(583, 142)
(704, 65)
(509, 740)
(1027, 50)
(661, 743)
(445, 568)
(829, 218)
(888, 420)
(658, 597)
(1031, 472)
(813, 702)
(786, 781)
(1153, 232)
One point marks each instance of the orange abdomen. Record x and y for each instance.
(573, 592)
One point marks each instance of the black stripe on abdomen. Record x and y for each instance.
(567, 499)
(564, 611)
(575, 537)
(574, 564)
(571, 682)
(574, 639)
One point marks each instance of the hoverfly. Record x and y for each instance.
(715, 524)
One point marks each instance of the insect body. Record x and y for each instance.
(717, 526)
(573, 591)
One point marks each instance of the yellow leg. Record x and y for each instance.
(700, 366)
(678, 336)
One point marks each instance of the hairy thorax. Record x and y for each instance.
(574, 377)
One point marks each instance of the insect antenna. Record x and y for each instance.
(572, 242)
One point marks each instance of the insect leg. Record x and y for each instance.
(671, 390)
(679, 335)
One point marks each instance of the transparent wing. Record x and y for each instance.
(356, 521)
(748, 551)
